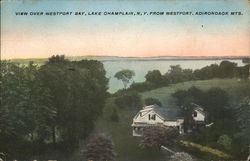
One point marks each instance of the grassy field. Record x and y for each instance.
(127, 146)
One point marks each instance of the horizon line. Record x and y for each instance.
(176, 56)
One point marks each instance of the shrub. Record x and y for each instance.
(225, 141)
(100, 148)
(157, 136)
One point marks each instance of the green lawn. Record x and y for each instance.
(127, 146)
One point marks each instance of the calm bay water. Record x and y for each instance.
(142, 67)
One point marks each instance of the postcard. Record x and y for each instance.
(125, 80)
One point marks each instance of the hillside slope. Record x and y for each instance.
(127, 146)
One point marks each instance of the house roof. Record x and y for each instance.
(199, 108)
(167, 114)
(163, 112)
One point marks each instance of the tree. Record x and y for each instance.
(125, 75)
(152, 101)
(154, 77)
(78, 91)
(129, 99)
(26, 110)
(156, 136)
(243, 113)
(208, 72)
(227, 69)
(225, 141)
(100, 148)
(216, 101)
(175, 74)
(181, 156)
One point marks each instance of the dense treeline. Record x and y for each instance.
(229, 130)
(43, 108)
(155, 79)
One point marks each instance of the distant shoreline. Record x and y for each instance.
(117, 58)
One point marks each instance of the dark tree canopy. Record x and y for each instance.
(54, 103)
(78, 90)
(154, 77)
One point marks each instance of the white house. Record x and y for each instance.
(199, 114)
(154, 115)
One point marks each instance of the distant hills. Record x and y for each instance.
(116, 58)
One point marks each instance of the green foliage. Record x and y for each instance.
(27, 114)
(100, 148)
(225, 141)
(243, 113)
(114, 116)
(154, 77)
(152, 101)
(215, 101)
(155, 137)
(127, 146)
(227, 69)
(78, 90)
(241, 137)
(142, 86)
(129, 99)
(125, 75)
(54, 103)
(175, 74)
(208, 72)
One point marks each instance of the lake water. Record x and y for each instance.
(142, 67)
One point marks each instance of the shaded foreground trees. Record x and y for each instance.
(78, 90)
(55, 103)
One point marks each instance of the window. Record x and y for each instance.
(153, 117)
(195, 114)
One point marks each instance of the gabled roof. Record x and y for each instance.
(199, 108)
(167, 114)
(163, 112)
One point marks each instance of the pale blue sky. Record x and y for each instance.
(55, 26)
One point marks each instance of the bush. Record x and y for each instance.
(100, 148)
(156, 136)
(225, 141)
